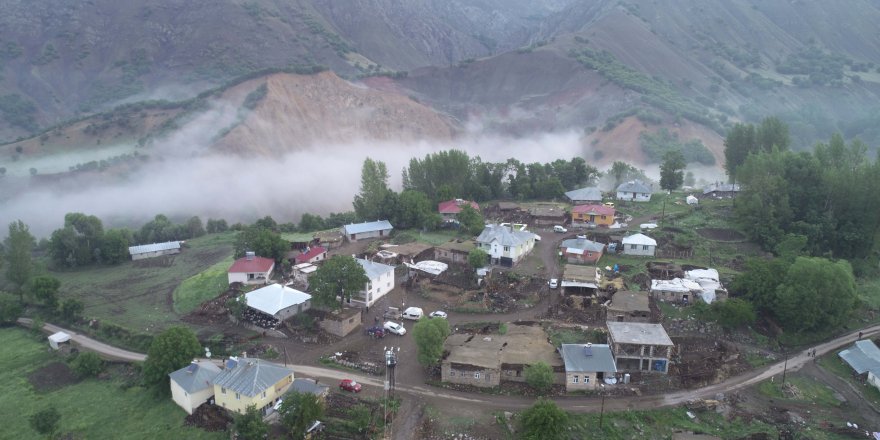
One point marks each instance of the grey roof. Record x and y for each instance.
(357, 228)
(862, 356)
(722, 187)
(634, 186)
(373, 269)
(250, 376)
(305, 386)
(638, 333)
(504, 236)
(196, 376)
(590, 193)
(576, 359)
(583, 243)
(154, 247)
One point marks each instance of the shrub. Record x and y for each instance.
(87, 364)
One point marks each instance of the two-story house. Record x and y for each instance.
(639, 346)
(505, 246)
(381, 282)
(246, 381)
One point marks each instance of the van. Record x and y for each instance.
(558, 228)
(413, 313)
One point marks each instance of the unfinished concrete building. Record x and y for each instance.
(640, 346)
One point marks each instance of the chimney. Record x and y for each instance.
(249, 256)
(588, 349)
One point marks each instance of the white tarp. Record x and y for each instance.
(677, 285)
(691, 200)
(708, 281)
(429, 266)
(58, 338)
(386, 254)
(578, 284)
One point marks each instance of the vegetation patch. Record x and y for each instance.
(663, 141)
(202, 287)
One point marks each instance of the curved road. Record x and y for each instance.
(572, 403)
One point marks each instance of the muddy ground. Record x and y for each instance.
(52, 377)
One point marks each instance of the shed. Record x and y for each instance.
(154, 250)
(58, 338)
(361, 231)
(278, 301)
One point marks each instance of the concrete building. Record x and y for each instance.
(145, 251)
(587, 365)
(628, 306)
(580, 280)
(639, 244)
(634, 191)
(251, 269)
(381, 282)
(454, 251)
(192, 385)
(246, 381)
(505, 247)
(312, 254)
(280, 302)
(640, 346)
(581, 250)
(367, 230)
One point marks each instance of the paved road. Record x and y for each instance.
(483, 401)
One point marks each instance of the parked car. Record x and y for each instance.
(413, 313)
(559, 229)
(375, 332)
(350, 385)
(395, 328)
(438, 314)
(553, 283)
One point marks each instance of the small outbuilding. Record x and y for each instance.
(454, 251)
(864, 358)
(56, 339)
(367, 230)
(639, 244)
(629, 306)
(581, 250)
(280, 302)
(312, 255)
(634, 191)
(145, 251)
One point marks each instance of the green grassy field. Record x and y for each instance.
(90, 409)
(661, 424)
(834, 364)
(137, 296)
(199, 288)
(809, 390)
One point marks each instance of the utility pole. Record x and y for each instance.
(784, 367)
(602, 410)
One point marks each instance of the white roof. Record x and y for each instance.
(302, 265)
(154, 247)
(691, 200)
(639, 239)
(578, 284)
(59, 337)
(698, 274)
(430, 266)
(675, 285)
(708, 281)
(638, 333)
(274, 298)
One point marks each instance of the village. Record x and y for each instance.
(595, 289)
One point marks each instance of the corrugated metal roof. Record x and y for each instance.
(358, 228)
(639, 239)
(274, 298)
(373, 269)
(196, 376)
(576, 359)
(583, 244)
(154, 247)
(862, 356)
(635, 186)
(590, 193)
(251, 376)
(504, 236)
(304, 386)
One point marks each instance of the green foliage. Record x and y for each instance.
(804, 302)
(299, 411)
(623, 172)
(818, 67)
(264, 242)
(733, 313)
(17, 256)
(478, 258)
(215, 226)
(45, 289)
(10, 309)
(539, 375)
(71, 310)
(339, 276)
(429, 335)
(19, 112)
(171, 350)
(46, 421)
(370, 202)
(87, 364)
(471, 220)
(361, 417)
(672, 170)
(543, 421)
(201, 287)
(414, 210)
(250, 425)
(657, 145)
(115, 244)
(236, 306)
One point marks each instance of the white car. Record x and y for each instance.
(413, 313)
(395, 328)
(438, 314)
(553, 283)
(560, 229)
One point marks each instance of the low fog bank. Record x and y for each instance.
(318, 180)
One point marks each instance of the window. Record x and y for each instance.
(645, 247)
(451, 373)
(222, 390)
(237, 396)
(586, 379)
(264, 394)
(633, 247)
(477, 375)
(575, 379)
(506, 248)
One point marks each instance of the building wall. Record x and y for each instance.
(638, 250)
(292, 311)
(227, 398)
(628, 316)
(375, 289)
(515, 253)
(600, 220)
(631, 357)
(341, 328)
(589, 258)
(873, 379)
(368, 235)
(546, 221)
(146, 255)
(450, 255)
(189, 402)
(250, 278)
(483, 377)
(586, 381)
(674, 297)
(635, 197)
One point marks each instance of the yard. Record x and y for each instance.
(91, 408)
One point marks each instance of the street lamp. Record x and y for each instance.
(602, 410)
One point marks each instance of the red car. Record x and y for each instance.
(350, 385)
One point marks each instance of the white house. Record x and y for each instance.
(634, 190)
(251, 269)
(505, 246)
(193, 385)
(154, 250)
(361, 231)
(381, 282)
(278, 301)
(639, 244)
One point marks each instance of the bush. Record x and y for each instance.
(87, 364)
(539, 376)
(46, 422)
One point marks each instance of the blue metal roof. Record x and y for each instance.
(593, 359)
(862, 356)
(357, 228)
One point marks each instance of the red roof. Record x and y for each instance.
(454, 206)
(593, 209)
(312, 253)
(257, 265)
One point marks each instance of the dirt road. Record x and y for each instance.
(107, 352)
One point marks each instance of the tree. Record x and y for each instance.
(429, 335)
(264, 242)
(539, 375)
(299, 411)
(311, 223)
(46, 422)
(361, 417)
(414, 210)
(45, 289)
(250, 425)
(544, 420)
(471, 219)
(71, 310)
(194, 227)
(10, 309)
(374, 189)
(267, 222)
(171, 350)
(215, 226)
(672, 170)
(772, 133)
(19, 265)
(114, 246)
(733, 313)
(87, 364)
(478, 258)
(739, 142)
(619, 171)
(340, 276)
(816, 294)
(236, 306)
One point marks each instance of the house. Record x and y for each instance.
(251, 269)
(280, 302)
(676, 290)
(154, 250)
(639, 244)
(547, 215)
(508, 207)
(454, 251)
(629, 306)
(247, 381)
(193, 385)
(587, 365)
(634, 190)
(409, 252)
(580, 280)
(864, 358)
(505, 246)
(591, 216)
(586, 195)
(487, 360)
(449, 209)
(312, 255)
(381, 282)
(330, 239)
(720, 190)
(367, 230)
(581, 250)
(310, 386)
(639, 346)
